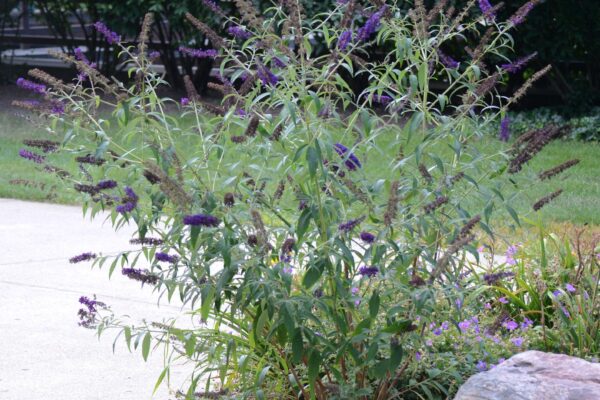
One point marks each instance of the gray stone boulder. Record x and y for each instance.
(535, 375)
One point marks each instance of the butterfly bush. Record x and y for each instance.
(314, 234)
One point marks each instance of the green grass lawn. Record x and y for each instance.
(579, 203)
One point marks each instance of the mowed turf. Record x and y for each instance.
(579, 202)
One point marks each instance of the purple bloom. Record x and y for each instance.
(201, 219)
(82, 257)
(448, 61)
(367, 237)
(505, 130)
(565, 312)
(198, 53)
(278, 62)
(140, 275)
(185, 101)
(371, 25)
(517, 65)
(383, 99)
(481, 366)
(106, 184)
(511, 325)
(29, 155)
(487, 306)
(526, 323)
(518, 341)
(160, 256)
(503, 300)
(213, 6)
(354, 290)
(557, 293)
(80, 56)
(125, 207)
(464, 325)
(239, 32)
(129, 201)
(418, 356)
(368, 271)
(352, 162)
(89, 303)
(57, 107)
(154, 55)
(458, 303)
(570, 288)
(265, 75)
(29, 85)
(288, 269)
(437, 331)
(349, 225)
(486, 9)
(111, 37)
(344, 39)
(445, 325)
(522, 12)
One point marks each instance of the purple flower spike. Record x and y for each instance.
(344, 40)
(29, 85)
(154, 55)
(160, 256)
(352, 162)
(487, 9)
(129, 202)
(106, 184)
(185, 101)
(82, 257)
(367, 237)
(505, 129)
(29, 155)
(267, 77)
(140, 275)
(383, 99)
(448, 61)
(111, 37)
(570, 288)
(518, 65)
(201, 219)
(522, 12)
(351, 224)
(239, 32)
(371, 25)
(198, 53)
(518, 341)
(278, 62)
(368, 271)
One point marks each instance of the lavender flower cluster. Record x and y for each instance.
(351, 161)
(82, 257)
(201, 220)
(128, 202)
(111, 37)
(198, 53)
(29, 85)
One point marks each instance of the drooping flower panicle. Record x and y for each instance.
(198, 53)
(201, 220)
(111, 37)
(351, 161)
(29, 155)
(366, 31)
(29, 85)
(82, 257)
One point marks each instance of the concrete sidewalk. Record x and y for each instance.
(44, 354)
